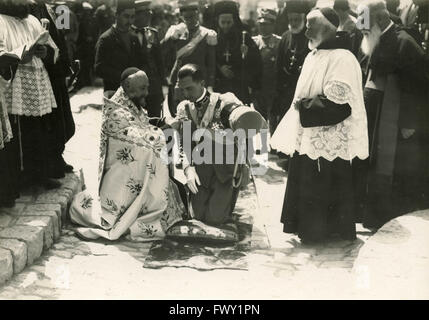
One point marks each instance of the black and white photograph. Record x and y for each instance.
(214, 150)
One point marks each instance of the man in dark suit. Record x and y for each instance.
(152, 56)
(118, 48)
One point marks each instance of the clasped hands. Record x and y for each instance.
(39, 51)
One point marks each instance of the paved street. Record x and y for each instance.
(76, 269)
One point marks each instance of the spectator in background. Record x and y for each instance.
(152, 56)
(281, 21)
(293, 49)
(71, 34)
(88, 36)
(348, 24)
(319, 198)
(267, 43)
(104, 16)
(188, 42)
(239, 63)
(118, 48)
(29, 99)
(61, 119)
(392, 7)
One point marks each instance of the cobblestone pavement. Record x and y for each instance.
(77, 269)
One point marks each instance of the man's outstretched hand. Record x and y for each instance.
(193, 181)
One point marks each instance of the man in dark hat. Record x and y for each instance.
(239, 63)
(267, 43)
(188, 42)
(319, 198)
(152, 56)
(293, 49)
(118, 48)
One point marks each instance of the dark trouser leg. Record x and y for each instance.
(290, 216)
(154, 105)
(220, 202)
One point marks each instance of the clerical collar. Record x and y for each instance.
(202, 97)
(388, 27)
(341, 41)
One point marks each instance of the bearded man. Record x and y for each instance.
(135, 192)
(395, 102)
(293, 49)
(238, 60)
(268, 44)
(324, 130)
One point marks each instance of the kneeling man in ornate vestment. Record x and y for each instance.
(324, 130)
(135, 191)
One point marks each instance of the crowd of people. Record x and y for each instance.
(343, 89)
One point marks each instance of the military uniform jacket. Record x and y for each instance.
(153, 63)
(178, 39)
(268, 48)
(212, 103)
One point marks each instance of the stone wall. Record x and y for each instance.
(34, 224)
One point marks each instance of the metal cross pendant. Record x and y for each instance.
(227, 55)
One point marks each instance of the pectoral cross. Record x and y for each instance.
(293, 59)
(227, 55)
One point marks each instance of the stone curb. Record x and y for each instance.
(34, 225)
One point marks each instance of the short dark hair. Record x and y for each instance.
(191, 70)
(342, 5)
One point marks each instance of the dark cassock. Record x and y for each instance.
(185, 44)
(282, 23)
(104, 18)
(293, 48)
(29, 99)
(9, 143)
(267, 44)
(117, 50)
(324, 130)
(396, 103)
(238, 61)
(88, 36)
(153, 63)
(154, 67)
(62, 126)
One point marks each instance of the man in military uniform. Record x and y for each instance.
(152, 57)
(293, 49)
(188, 42)
(213, 178)
(268, 44)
